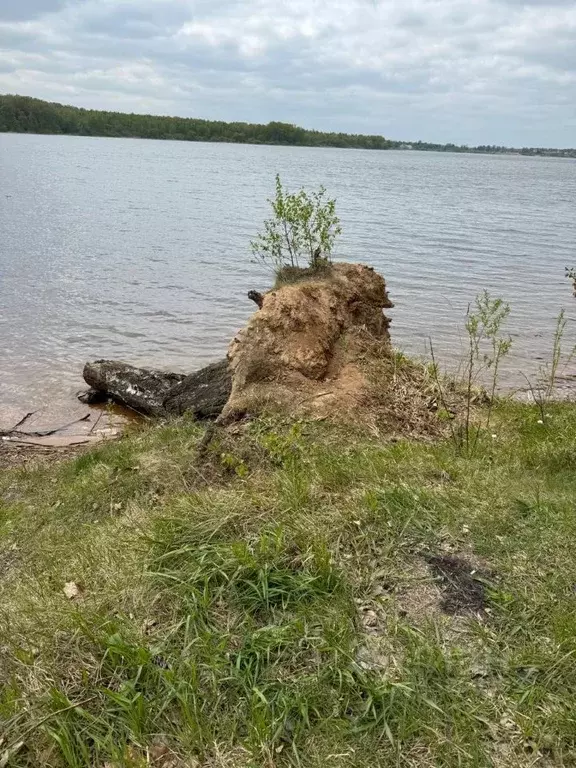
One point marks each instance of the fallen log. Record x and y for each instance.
(158, 393)
(203, 393)
(141, 389)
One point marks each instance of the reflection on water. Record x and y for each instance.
(139, 250)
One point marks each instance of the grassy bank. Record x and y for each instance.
(293, 594)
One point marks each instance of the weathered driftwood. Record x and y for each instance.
(158, 393)
(256, 297)
(142, 389)
(17, 433)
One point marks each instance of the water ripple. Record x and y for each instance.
(96, 263)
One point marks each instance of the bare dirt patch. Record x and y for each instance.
(421, 598)
(37, 439)
(28, 455)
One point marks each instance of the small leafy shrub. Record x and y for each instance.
(487, 347)
(284, 448)
(301, 232)
(571, 275)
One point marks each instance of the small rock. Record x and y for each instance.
(72, 590)
(370, 619)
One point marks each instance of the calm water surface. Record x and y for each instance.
(139, 250)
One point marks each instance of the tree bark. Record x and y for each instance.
(157, 393)
(204, 392)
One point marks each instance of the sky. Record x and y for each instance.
(463, 71)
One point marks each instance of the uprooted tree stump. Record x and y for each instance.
(295, 339)
(303, 350)
(316, 347)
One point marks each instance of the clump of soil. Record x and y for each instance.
(320, 347)
(289, 275)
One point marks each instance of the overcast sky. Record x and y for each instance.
(467, 71)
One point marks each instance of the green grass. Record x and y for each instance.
(276, 603)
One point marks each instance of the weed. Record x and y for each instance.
(486, 349)
(543, 391)
(571, 275)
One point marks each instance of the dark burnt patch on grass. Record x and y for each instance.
(464, 584)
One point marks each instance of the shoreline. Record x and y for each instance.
(64, 119)
(560, 154)
(111, 422)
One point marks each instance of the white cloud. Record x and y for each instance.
(474, 71)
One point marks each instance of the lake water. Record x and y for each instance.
(139, 250)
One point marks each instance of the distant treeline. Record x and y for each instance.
(23, 114)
